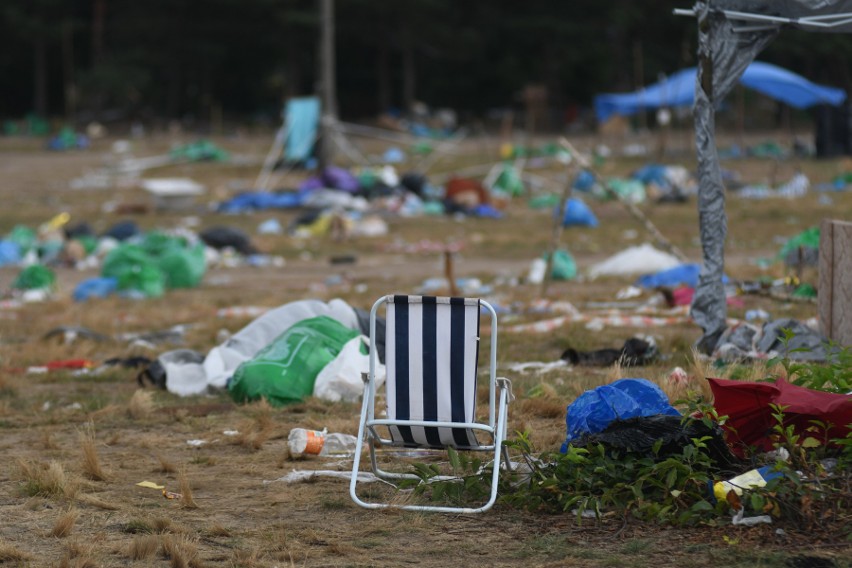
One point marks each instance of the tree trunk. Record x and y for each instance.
(70, 89)
(408, 69)
(384, 78)
(40, 76)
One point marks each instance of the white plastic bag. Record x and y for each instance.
(341, 378)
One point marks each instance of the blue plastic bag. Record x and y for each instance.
(594, 410)
(681, 275)
(95, 288)
(578, 213)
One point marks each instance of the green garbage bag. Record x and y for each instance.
(35, 277)
(183, 267)
(284, 371)
(546, 201)
(89, 242)
(564, 266)
(809, 238)
(22, 236)
(509, 181)
(135, 270)
(200, 150)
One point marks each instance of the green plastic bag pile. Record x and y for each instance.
(284, 371)
(198, 151)
(159, 262)
(35, 277)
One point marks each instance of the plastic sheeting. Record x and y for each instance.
(723, 56)
(221, 362)
(596, 409)
(679, 90)
(635, 260)
(729, 38)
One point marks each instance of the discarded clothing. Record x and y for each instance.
(222, 237)
(636, 351)
(744, 341)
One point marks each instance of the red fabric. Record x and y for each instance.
(70, 364)
(684, 294)
(467, 191)
(750, 420)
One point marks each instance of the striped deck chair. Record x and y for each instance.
(431, 353)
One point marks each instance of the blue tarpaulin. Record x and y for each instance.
(679, 90)
(594, 410)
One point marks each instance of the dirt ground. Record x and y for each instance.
(75, 446)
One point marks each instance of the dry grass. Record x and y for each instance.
(65, 523)
(165, 465)
(98, 503)
(47, 480)
(185, 489)
(141, 404)
(9, 553)
(79, 555)
(219, 530)
(143, 547)
(181, 552)
(91, 462)
(47, 441)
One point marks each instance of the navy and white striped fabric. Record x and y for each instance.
(432, 352)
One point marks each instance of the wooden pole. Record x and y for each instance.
(327, 73)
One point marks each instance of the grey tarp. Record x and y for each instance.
(730, 35)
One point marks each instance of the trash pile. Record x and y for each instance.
(351, 194)
(132, 263)
(300, 349)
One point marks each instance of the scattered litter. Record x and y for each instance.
(627, 293)
(678, 377)
(638, 350)
(537, 366)
(196, 443)
(242, 311)
(594, 410)
(150, 485)
(640, 259)
(301, 475)
(172, 495)
(739, 520)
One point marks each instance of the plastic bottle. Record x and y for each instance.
(320, 443)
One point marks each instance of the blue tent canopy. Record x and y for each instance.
(679, 90)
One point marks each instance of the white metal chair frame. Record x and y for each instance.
(495, 428)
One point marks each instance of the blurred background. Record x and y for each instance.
(215, 66)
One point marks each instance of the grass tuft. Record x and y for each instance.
(186, 500)
(141, 404)
(8, 553)
(91, 462)
(48, 480)
(143, 547)
(165, 465)
(181, 552)
(65, 523)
